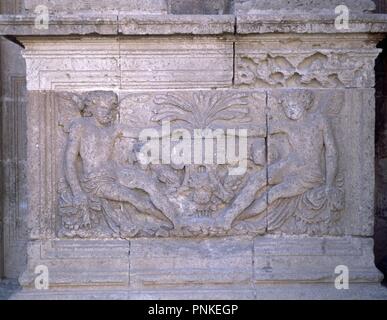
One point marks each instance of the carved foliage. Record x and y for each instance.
(320, 69)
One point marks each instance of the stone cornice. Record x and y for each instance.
(124, 24)
(24, 25)
(307, 23)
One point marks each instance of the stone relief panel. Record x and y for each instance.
(295, 180)
(306, 193)
(263, 62)
(106, 190)
(315, 145)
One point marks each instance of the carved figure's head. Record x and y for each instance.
(296, 103)
(101, 105)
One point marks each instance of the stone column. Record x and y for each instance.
(301, 89)
(13, 151)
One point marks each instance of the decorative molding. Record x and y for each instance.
(82, 64)
(305, 62)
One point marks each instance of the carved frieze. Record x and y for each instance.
(288, 170)
(307, 62)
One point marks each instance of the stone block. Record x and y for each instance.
(285, 6)
(299, 259)
(175, 64)
(99, 63)
(175, 24)
(64, 24)
(200, 6)
(190, 262)
(299, 22)
(73, 263)
(70, 6)
(72, 64)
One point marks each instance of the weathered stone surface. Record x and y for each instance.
(316, 291)
(179, 262)
(305, 23)
(70, 25)
(306, 187)
(228, 268)
(117, 24)
(75, 64)
(293, 259)
(175, 24)
(319, 291)
(200, 6)
(174, 203)
(100, 63)
(309, 61)
(79, 263)
(176, 63)
(70, 6)
(13, 159)
(89, 23)
(12, 6)
(317, 194)
(305, 97)
(254, 6)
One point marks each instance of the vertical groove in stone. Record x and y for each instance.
(233, 64)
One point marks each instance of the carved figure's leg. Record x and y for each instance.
(139, 180)
(279, 170)
(246, 197)
(117, 192)
(257, 207)
(288, 189)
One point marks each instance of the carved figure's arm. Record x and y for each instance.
(127, 131)
(71, 155)
(278, 127)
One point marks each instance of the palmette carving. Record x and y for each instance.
(106, 191)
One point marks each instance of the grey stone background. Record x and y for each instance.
(13, 140)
